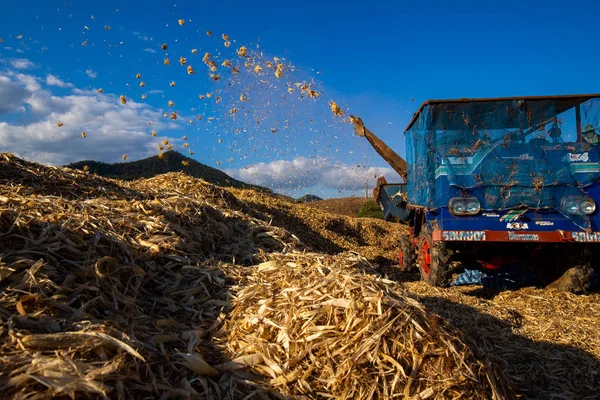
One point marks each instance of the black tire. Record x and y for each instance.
(407, 256)
(434, 260)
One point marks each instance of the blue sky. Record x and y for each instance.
(378, 60)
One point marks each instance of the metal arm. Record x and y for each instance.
(389, 155)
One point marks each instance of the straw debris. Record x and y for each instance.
(545, 341)
(170, 287)
(317, 326)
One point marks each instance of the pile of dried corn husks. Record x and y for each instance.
(317, 327)
(109, 289)
(144, 290)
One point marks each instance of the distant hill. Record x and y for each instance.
(171, 162)
(307, 198)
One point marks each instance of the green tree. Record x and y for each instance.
(370, 210)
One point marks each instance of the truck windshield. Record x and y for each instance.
(509, 153)
(553, 120)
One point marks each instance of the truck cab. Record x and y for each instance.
(494, 178)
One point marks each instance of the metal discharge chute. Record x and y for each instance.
(389, 155)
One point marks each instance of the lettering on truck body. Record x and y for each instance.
(523, 236)
(472, 236)
(586, 237)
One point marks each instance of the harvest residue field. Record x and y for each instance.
(172, 287)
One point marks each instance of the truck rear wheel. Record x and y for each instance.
(434, 260)
(406, 253)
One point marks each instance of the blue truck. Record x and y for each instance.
(496, 181)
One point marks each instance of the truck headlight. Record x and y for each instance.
(464, 206)
(473, 206)
(576, 205)
(587, 207)
(571, 206)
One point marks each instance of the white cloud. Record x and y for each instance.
(29, 81)
(148, 50)
(19, 51)
(302, 172)
(12, 95)
(112, 129)
(21, 63)
(91, 73)
(55, 81)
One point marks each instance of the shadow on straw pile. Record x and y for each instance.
(341, 226)
(287, 220)
(76, 323)
(537, 369)
(388, 271)
(27, 178)
(376, 240)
